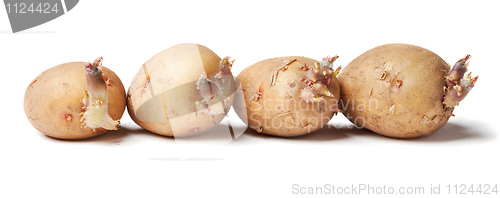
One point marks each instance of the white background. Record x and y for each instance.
(132, 162)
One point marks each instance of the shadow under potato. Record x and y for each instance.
(194, 159)
(326, 133)
(449, 132)
(114, 137)
(109, 137)
(454, 132)
(218, 132)
(240, 134)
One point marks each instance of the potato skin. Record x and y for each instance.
(396, 90)
(164, 91)
(52, 101)
(279, 111)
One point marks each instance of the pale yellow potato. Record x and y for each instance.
(52, 101)
(162, 95)
(396, 90)
(279, 110)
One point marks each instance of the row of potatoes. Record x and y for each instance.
(396, 90)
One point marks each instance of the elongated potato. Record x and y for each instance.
(182, 91)
(398, 90)
(53, 102)
(280, 98)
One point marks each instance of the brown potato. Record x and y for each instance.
(53, 104)
(271, 101)
(162, 96)
(396, 90)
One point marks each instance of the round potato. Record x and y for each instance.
(273, 102)
(53, 101)
(177, 92)
(396, 90)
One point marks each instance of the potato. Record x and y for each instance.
(182, 91)
(397, 90)
(287, 96)
(53, 102)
